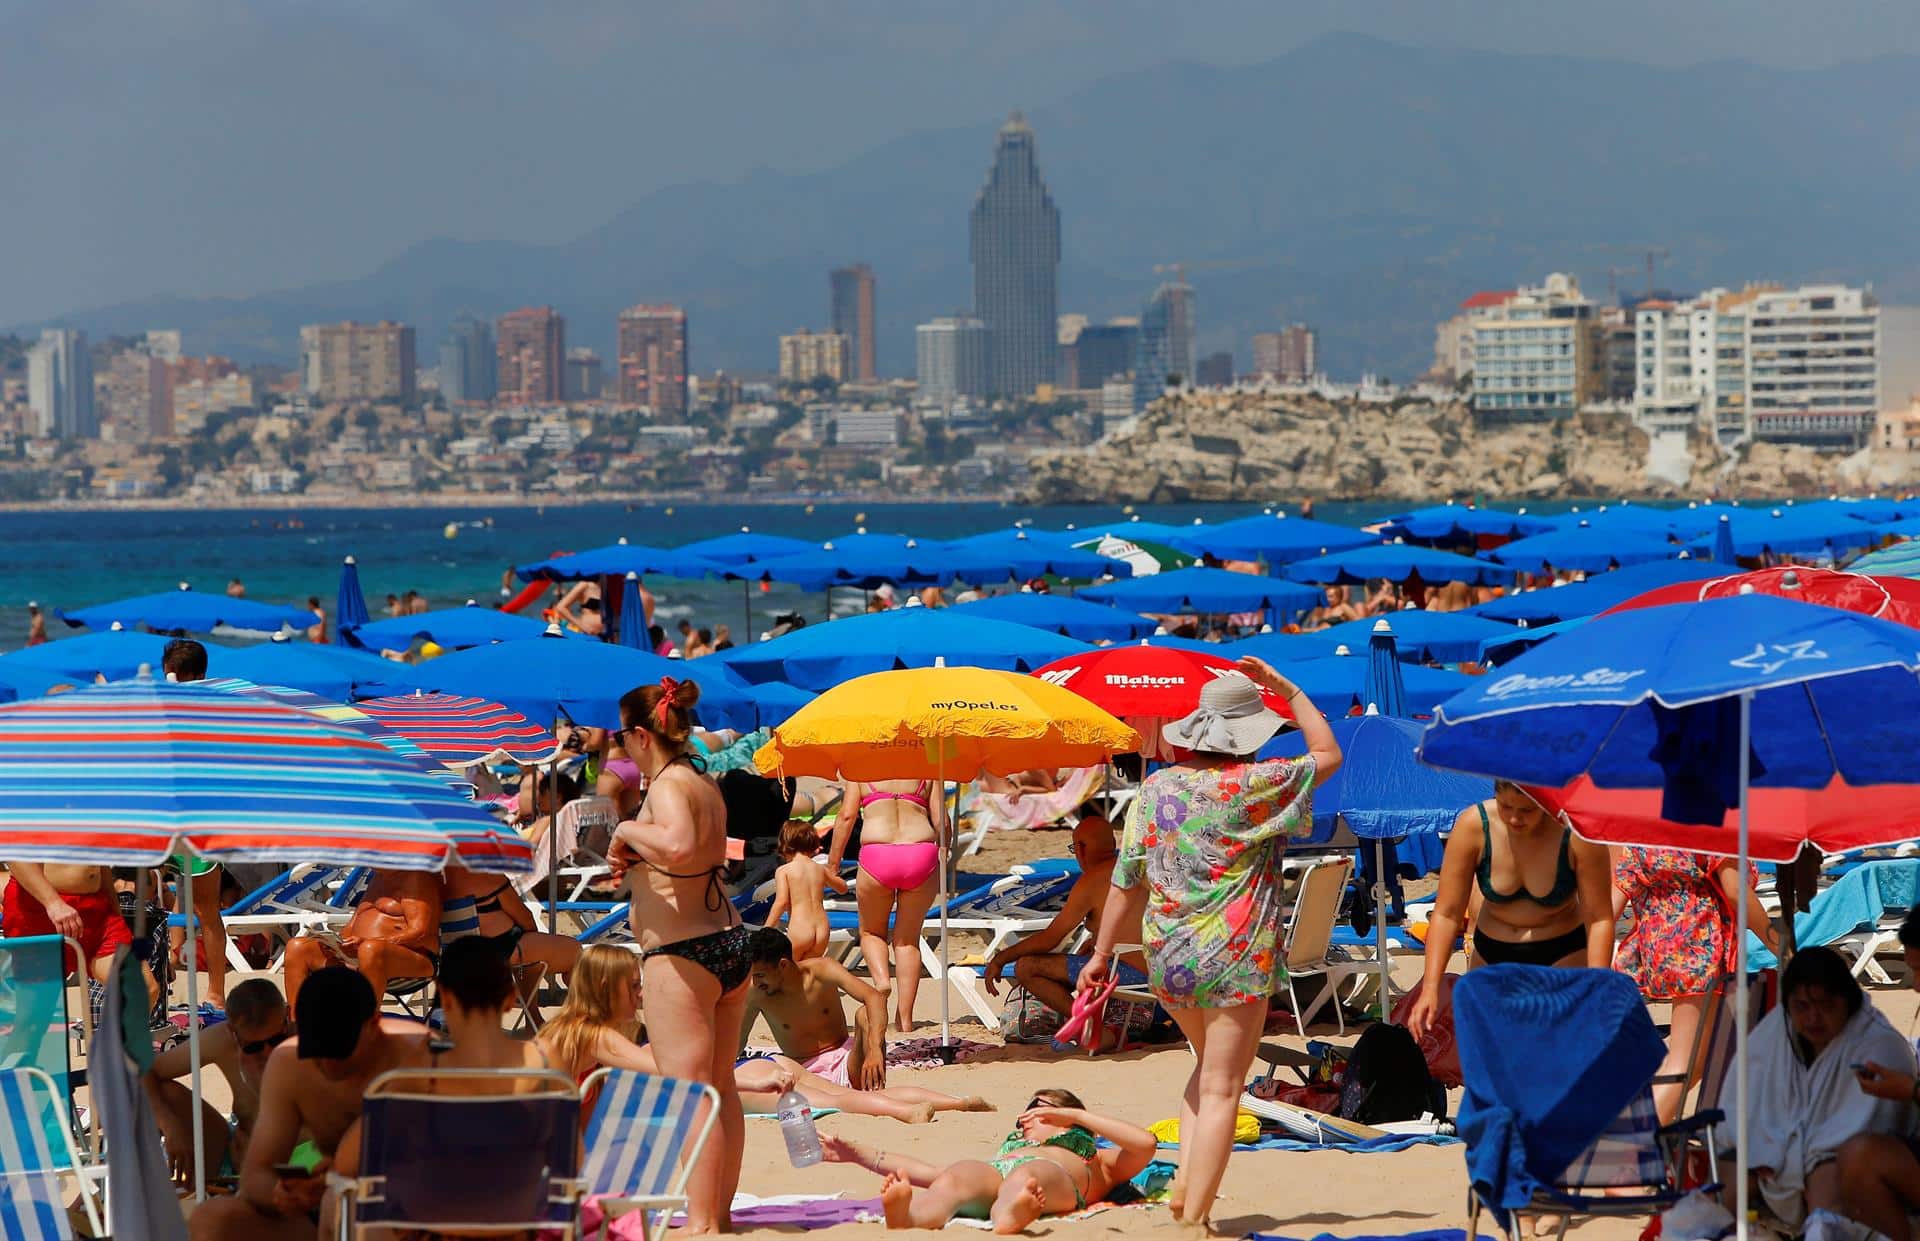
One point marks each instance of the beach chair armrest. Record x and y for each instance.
(1692, 1124)
(1667, 1079)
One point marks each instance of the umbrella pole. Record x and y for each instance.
(190, 953)
(946, 856)
(1740, 998)
(1380, 896)
(746, 610)
(553, 845)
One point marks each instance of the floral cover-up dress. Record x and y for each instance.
(1682, 935)
(1209, 842)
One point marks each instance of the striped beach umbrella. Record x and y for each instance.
(460, 731)
(126, 773)
(347, 717)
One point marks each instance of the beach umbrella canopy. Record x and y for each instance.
(128, 773)
(332, 672)
(1134, 529)
(1342, 683)
(1462, 523)
(1398, 562)
(1421, 637)
(1207, 591)
(27, 682)
(618, 560)
(1503, 648)
(1788, 531)
(553, 678)
(1142, 557)
(191, 611)
(1723, 548)
(452, 628)
(347, 717)
(1598, 593)
(777, 702)
(1899, 560)
(633, 615)
(460, 731)
(1273, 537)
(1891, 598)
(1624, 517)
(1041, 553)
(1148, 685)
(1583, 547)
(820, 657)
(115, 654)
(1062, 614)
(349, 605)
(872, 560)
(745, 547)
(1386, 689)
(1834, 819)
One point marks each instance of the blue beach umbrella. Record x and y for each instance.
(1624, 517)
(745, 547)
(1583, 547)
(1132, 528)
(777, 702)
(633, 616)
(551, 678)
(27, 682)
(1723, 549)
(1040, 553)
(1461, 523)
(115, 654)
(821, 656)
(618, 560)
(1564, 602)
(452, 628)
(1062, 614)
(1422, 637)
(1342, 683)
(1501, 650)
(1701, 701)
(1385, 688)
(1272, 537)
(332, 672)
(349, 605)
(875, 560)
(1207, 591)
(1398, 562)
(192, 611)
(1787, 531)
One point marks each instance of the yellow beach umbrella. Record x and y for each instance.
(942, 724)
(939, 724)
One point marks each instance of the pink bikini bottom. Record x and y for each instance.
(900, 867)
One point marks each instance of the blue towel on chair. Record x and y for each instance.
(1551, 1057)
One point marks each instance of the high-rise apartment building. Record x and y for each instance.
(1536, 356)
(807, 356)
(1290, 355)
(1165, 351)
(531, 345)
(1014, 241)
(853, 316)
(60, 385)
(1813, 366)
(358, 361)
(202, 386)
(140, 395)
(1214, 371)
(469, 367)
(952, 360)
(585, 380)
(1104, 351)
(653, 359)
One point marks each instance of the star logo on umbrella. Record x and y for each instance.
(1769, 659)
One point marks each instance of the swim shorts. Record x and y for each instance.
(831, 1064)
(102, 929)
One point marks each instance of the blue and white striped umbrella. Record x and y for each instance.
(126, 773)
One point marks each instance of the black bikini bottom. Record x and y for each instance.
(723, 954)
(1533, 952)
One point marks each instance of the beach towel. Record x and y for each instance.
(1551, 1057)
(1857, 901)
(1436, 1234)
(928, 1053)
(805, 1212)
(1802, 1114)
(1002, 812)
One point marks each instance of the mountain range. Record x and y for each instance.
(1358, 185)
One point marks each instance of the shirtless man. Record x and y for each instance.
(75, 901)
(1048, 974)
(802, 1002)
(313, 1090)
(394, 933)
(239, 1046)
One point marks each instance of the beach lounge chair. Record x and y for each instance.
(436, 1162)
(643, 1138)
(39, 1140)
(33, 1157)
(1567, 1129)
(284, 906)
(1309, 940)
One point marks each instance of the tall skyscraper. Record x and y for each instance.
(952, 359)
(1015, 246)
(653, 359)
(853, 315)
(469, 368)
(60, 385)
(358, 361)
(1291, 355)
(533, 353)
(1166, 342)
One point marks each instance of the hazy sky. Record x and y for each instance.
(214, 146)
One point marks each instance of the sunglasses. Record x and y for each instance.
(265, 1044)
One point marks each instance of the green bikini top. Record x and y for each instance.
(1077, 1140)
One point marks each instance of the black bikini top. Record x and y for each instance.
(1565, 883)
(715, 897)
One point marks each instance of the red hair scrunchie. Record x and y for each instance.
(668, 688)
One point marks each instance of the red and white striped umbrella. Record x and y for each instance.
(461, 731)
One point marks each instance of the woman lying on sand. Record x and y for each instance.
(1049, 1165)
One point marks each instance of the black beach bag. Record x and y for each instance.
(1387, 1080)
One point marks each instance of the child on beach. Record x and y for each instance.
(799, 890)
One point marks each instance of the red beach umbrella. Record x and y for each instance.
(1889, 598)
(1146, 686)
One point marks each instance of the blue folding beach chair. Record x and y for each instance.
(37, 1032)
(643, 1138)
(436, 1162)
(36, 1148)
(1558, 1113)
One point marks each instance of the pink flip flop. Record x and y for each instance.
(1089, 1013)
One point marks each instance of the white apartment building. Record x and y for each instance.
(866, 428)
(1535, 356)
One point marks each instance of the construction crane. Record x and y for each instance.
(1653, 255)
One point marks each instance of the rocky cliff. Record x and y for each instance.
(1243, 446)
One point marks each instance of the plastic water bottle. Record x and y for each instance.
(796, 1126)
